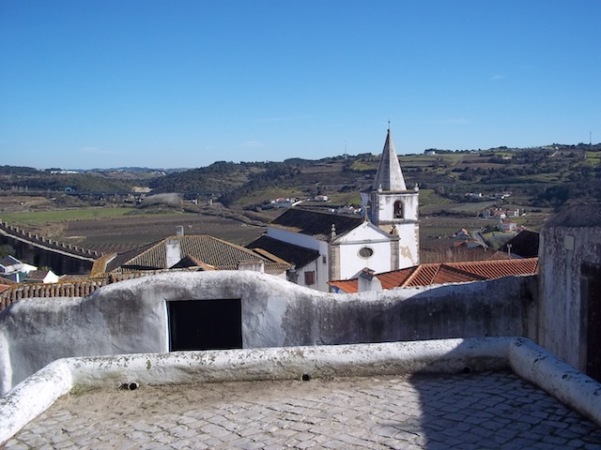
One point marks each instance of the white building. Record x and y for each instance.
(13, 269)
(325, 247)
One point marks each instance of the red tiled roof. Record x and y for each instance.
(20, 291)
(498, 269)
(396, 278)
(428, 274)
(81, 288)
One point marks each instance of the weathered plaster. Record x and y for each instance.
(563, 250)
(131, 316)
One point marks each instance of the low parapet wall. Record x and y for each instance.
(132, 316)
(34, 395)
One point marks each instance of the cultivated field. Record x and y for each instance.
(118, 229)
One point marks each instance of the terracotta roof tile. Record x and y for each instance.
(82, 288)
(437, 273)
(20, 291)
(347, 286)
(395, 278)
(449, 274)
(206, 251)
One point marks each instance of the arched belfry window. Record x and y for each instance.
(398, 209)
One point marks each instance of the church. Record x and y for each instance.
(324, 247)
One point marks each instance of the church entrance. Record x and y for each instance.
(591, 306)
(205, 324)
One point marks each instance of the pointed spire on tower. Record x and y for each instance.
(389, 176)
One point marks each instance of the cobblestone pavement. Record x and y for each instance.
(476, 411)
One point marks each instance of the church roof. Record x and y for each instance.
(389, 176)
(524, 244)
(314, 223)
(299, 256)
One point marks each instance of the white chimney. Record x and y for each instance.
(254, 265)
(173, 252)
(368, 282)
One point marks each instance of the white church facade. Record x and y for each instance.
(325, 247)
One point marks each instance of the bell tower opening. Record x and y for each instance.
(398, 210)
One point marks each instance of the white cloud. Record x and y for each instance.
(497, 77)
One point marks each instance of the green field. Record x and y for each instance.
(33, 218)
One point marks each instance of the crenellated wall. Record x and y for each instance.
(133, 316)
(43, 252)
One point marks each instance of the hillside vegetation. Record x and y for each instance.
(537, 178)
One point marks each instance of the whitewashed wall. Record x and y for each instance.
(131, 316)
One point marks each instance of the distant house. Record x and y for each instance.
(42, 276)
(507, 226)
(194, 252)
(14, 270)
(283, 203)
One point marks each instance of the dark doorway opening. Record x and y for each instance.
(591, 307)
(205, 324)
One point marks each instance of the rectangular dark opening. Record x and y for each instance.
(205, 324)
(591, 307)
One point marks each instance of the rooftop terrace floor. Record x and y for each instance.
(483, 410)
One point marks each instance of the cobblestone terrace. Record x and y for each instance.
(472, 411)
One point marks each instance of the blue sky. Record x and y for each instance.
(91, 83)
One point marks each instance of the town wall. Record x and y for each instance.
(40, 251)
(132, 316)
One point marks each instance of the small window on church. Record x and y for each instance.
(398, 210)
(366, 252)
(309, 278)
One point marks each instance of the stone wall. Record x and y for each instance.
(43, 252)
(568, 243)
(132, 316)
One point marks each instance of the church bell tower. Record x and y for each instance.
(392, 207)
